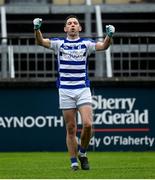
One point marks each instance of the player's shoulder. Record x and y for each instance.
(87, 40)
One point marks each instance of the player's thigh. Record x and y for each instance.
(86, 114)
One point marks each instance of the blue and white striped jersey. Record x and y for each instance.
(72, 61)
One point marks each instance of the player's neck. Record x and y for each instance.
(73, 38)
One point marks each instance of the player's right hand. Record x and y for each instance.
(37, 23)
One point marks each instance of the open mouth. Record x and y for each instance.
(72, 29)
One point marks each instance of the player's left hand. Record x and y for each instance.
(110, 30)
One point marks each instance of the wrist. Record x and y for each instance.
(110, 35)
(36, 29)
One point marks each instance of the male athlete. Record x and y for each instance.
(73, 83)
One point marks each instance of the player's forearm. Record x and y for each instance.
(107, 42)
(110, 29)
(103, 45)
(38, 37)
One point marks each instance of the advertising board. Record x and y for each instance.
(123, 120)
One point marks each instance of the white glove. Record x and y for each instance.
(110, 29)
(37, 23)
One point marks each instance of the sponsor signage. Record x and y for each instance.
(30, 120)
(123, 120)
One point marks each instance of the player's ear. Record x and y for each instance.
(80, 28)
(65, 30)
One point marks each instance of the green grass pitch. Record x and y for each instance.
(56, 165)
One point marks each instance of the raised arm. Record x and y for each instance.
(103, 45)
(38, 35)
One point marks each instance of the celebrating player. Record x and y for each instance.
(73, 83)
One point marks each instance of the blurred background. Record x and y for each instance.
(28, 96)
(131, 55)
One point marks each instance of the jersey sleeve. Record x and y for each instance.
(91, 46)
(54, 44)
